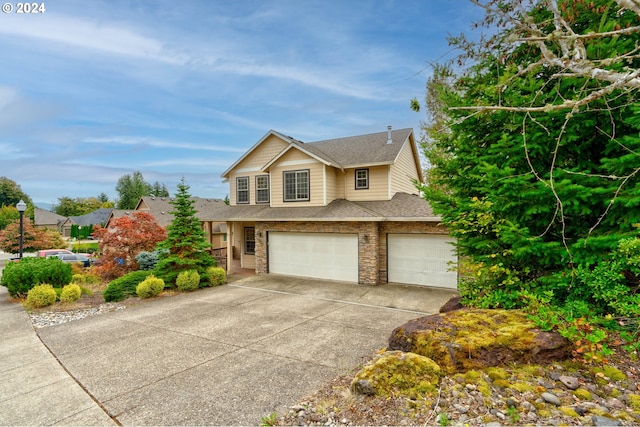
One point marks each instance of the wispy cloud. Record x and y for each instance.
(151, 142)
(92, 35)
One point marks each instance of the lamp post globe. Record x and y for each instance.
(21, 206)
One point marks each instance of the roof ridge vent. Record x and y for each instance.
(389, 140)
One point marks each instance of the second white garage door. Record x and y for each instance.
(421, 259)
(320, 255)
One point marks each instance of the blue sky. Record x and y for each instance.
(93, 90)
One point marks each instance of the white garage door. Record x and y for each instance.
(321, 255)
(421, 259)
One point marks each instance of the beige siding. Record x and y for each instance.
(250, 166)
(246, 260)
(404, 171)
(378, 184)
(291, 161)
(334, 184)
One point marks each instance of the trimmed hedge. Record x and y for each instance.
(20, 277)
(188, 280)
(70, 293)
(40, 296)
(125, 286)
(217, 276)
(150, 287)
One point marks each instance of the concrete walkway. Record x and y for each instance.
(34, 388)
(219, 356)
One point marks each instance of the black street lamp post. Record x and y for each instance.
(21, 206)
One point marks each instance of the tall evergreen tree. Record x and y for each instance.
(535, 191)
(159, 190)
(130, 188)
(185, 247)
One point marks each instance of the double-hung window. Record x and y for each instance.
(262, 189)
(362, 179)
(242, 189)
(296, 186)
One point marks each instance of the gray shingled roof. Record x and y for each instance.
(402, 207)
(161, 208)
(347, 152)
(359, 150)
(99, 216)
(43, 217)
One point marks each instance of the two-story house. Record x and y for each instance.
(342, 209)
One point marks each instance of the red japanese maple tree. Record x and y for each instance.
(125, 238)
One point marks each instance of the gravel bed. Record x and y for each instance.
(551, 395)
(49, 318)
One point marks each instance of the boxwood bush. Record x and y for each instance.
(70, 293)
(40, 296)
(20, 277)
(150, 287)
(125, 286)
(217, 276)
(188, 280)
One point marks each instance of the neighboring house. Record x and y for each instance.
(116, 213)
(48, 219)
(344, 209)
(97, 217)
(160, 208)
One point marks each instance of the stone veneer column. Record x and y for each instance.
(261, 248)
(368, 253)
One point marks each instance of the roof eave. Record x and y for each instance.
(368, 165)
(297, 147)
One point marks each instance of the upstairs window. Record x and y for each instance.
(362, 179)
(262, 189)
(296, 186)
(242, 189)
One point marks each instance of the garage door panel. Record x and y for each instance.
(320, 255)
(421, 259)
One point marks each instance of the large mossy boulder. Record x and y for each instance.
(474, 339)
(396, 372)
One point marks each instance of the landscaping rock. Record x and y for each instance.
(452, 305)
(551, 398)
(604, 421)
(396, 371)
(569, 382)
(467, 339)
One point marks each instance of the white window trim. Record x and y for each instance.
(355, 175)
(284, 184)
(268, 189)
(244, 178)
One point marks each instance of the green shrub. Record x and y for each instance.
(217, 276)
(150, 287)
(78, 278)
(40, 296)
(147, 260)
(70, 293)
(20, 277)
(125, 286)
(90, 277)
(188, 280)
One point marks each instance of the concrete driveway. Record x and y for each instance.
(233, 354)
